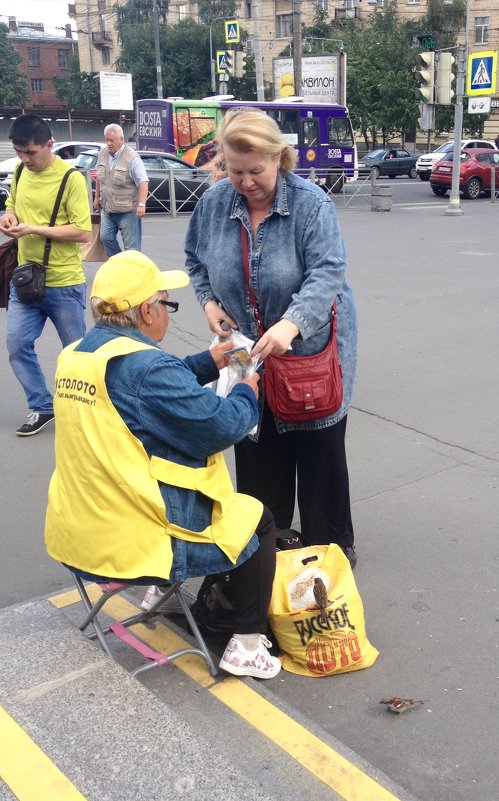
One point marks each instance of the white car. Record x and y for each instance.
(425, 162)
(66, 150)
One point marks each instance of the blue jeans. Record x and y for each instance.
(65, 306)
(131, 231)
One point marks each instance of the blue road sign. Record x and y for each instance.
(481, 79)
(232, 31)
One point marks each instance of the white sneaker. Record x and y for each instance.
(171, 607)
(258, 663)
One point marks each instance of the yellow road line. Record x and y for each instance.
(27, 771)
(338, 773)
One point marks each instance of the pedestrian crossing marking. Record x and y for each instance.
(481, 76)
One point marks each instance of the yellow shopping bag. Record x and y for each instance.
(313, 641)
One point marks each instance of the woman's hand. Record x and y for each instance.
(218, 352)
(216, 316)
(276, 340)
(252, 381)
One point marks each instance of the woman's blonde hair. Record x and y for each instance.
(131, 318)
(253, 130)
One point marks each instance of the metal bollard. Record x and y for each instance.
(381, 198)
(493, 183)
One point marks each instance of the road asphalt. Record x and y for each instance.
(423, 458)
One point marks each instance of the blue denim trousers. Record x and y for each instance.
(131, 231)
(65, 307)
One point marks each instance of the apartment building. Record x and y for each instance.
(45, 56)
(99, 46)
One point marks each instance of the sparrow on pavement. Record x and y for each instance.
(399, 705)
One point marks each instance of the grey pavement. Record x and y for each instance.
(423, 458)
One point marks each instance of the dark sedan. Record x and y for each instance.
(390, 161)
(189, 182)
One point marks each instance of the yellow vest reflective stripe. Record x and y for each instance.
(106, 514)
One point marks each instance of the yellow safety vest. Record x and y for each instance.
(105, 513)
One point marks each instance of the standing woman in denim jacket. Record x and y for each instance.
(297, 267)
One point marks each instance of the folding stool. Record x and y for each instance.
(109, 588)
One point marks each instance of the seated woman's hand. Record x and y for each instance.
(219, 350)
(216, 316)
(277, 339)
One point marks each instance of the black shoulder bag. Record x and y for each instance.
(29, 279)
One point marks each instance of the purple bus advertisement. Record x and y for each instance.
(321, 133)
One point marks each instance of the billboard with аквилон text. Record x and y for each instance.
(319, 79)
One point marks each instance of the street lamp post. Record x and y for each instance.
(212, 65)
(454, 206)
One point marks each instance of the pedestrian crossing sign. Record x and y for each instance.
(482, 68)
(232, 31)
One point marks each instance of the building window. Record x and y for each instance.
(101, 5)
(106, 55)
(182, 12)
(283, 25)
(248, 10)
(36, 85)
(63, 58)
(33, 56)
(481, 30)
(413, 2)
(323, 5)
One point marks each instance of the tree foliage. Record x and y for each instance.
(78, 89)
(13, 86)
(380, 65)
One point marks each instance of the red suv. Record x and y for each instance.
(474, 172)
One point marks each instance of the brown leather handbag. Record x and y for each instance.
(299, 388)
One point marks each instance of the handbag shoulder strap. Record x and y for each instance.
(254, 302)
(48, 241)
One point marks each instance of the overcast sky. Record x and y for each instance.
(53, 13)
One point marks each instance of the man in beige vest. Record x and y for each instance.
(120, 192)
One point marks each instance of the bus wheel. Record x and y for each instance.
(335, 181)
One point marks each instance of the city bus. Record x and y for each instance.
(321, 133)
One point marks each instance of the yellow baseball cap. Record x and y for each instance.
(129, 278)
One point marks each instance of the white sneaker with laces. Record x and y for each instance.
(258, 663)
(171, 607)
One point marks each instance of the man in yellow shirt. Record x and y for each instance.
(27, 216)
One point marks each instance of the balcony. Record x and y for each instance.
(101, 38)
(346, 13)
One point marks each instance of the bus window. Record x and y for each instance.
(192, 126)
(310, 130)
(287, 121)
(340, 132)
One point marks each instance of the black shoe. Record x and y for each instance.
(288, 540)
(350, 554)
(34, 423)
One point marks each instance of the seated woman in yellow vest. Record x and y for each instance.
(140, 486)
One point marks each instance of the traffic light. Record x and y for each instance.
(229, 62)
(240, 63)
(425, 75)
(445, 76)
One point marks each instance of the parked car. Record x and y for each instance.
(391, 161)
(474, 172)
(426, 161)
(190, 183)
(66, 150)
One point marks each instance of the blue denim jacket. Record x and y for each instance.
(162, 401)
(297, 270)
